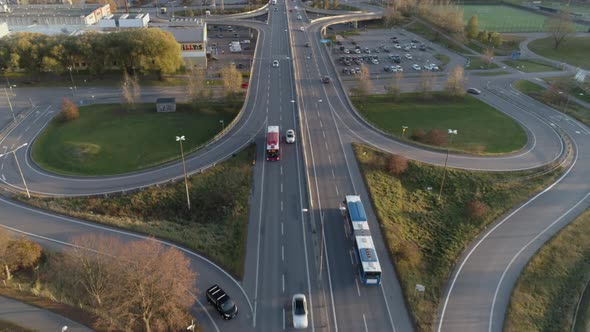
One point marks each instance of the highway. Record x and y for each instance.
(297, 242)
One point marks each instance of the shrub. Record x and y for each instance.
(418, 135)
(397, 164)
(69, 110)
(476, 209)
(436, 137)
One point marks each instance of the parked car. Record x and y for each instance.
(299, 17)
(302, 29)
(408, 56)
(422, 47)
(375, 61)
(388, 69)
(416, 67)
(398, 46)
(474, 91)
(299, 307)
(399, 68)
(222, 302)
(346, 51)
(412, 45)
(357, 50)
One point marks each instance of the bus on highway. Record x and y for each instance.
(272, 143)
(355, 213)
(369, 267)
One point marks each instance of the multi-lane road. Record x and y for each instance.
(297, 241)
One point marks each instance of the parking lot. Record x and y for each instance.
(219, 40)
(385, 51)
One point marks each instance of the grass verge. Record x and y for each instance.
(477, 62)
(582, 323)
(536, 91)
(216, 229)
(491, 73)
(444, 59)
(576, 89)
(573, 51)
(99, 141)
(481, 128)
(549, 288)
(6, 326)
(425, 235)
(530, 66)
(433, 36)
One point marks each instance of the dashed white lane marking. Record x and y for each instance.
(329, 159)
(324, 133)
(281, 187)
(333, 175)
(28, 127)
(284, 319)
(282, 228)
(326, 144)
(337, 191)
(3, 178)
(358, 289)
(283, 253)
(281, 170)
(321, 125)
(281, 206)
(283, 277)
(365, 321)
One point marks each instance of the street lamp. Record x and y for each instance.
(72, 78)
(222, 124)
(18, 165)
(10, 104)
(442, 183)
(404, 131)
(180, 139)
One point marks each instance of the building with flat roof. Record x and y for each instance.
(52, 15)
(192, 39)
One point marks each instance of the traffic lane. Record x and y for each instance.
(502, 253)
(56, 232)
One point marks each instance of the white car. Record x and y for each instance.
(408, 56)
(299, 311)
(346, 51)
(399, 68)
(375, 61)
(416, 67)
(412, 45)
(299, 17)
(428, 67)
(398, 46)
(290, 136)
(302, 28)
(275, 63)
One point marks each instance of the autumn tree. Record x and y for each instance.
(436, 137)
(196, 84)
(232, 79)
(472, 27)
(130, 90)
(391, 16)
(488, 56)
(560, 27)
(554, 94)
(395, 88)
(425, 85)
(18, 254)
(455, 85)
(397, 164)
(69, 110)
(476, 209)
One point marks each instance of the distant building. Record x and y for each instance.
(164, 105)
(52, 15)
(193, 41)
(3, 29)
(125, 21)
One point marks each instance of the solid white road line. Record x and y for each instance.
(284, 319)
(365, 321)
(358, 289)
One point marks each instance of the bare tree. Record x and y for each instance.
(426, 84)
(20, 254)
(395, 88)
(195, 87)
(365, 86)
(456, 82)
(560, 27)
(69, 110)
(487, 56)
(397, 164)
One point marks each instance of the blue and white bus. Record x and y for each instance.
(369, 267)
(364, 248)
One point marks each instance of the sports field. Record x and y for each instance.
(507, 19)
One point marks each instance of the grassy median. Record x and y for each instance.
(573, 51)
(425, 235)
(549, 289)
(106, 139)
(216, 226)
(481, 129)
(531, 66)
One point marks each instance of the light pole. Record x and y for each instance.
(404, 131)
(442, 183)
(18, 166)
(222, 124)
(188, 201)
(72, 78)
(10, 104)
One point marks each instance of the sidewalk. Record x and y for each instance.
(35, 318)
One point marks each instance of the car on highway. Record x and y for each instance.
(307, 45)
(408, 56)
(416, 67)
(326, 80)
(275, 63)
(222, 302)
(302, 29)
(474, 91)
(422, 47)
(299, 308)
(299, 17)
(290, 136)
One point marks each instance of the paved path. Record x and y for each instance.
(35, 318)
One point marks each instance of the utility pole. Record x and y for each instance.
(442, 183)
(188, 200)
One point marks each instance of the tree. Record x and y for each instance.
(554, 94)
(455, 86)
(69, 110)
(496, 39)
(487, 56)
(232, 79)
(196, 82)
(395, 88)
(130, 90)
(397, 164)
(436, 137)
(426, 84)
(20, 254)
(560, 27)
(472, 27)
(365, 86)
(391, 16)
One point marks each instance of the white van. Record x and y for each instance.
(274, 2)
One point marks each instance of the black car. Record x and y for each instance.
(326, 80)
(222, 302)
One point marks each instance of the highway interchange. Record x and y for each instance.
(293, 198)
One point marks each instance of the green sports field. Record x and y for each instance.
(507, 19)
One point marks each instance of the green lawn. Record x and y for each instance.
(507, 19)
(6, 326)
(574, 51)
(216, 226)
(530, 66)
(106, 139)
(477, 62)
(429, 34)
(491, 73)
(481, 128)
(444, 59)
(425, 235)
(576, 89)
(535, 91)
(549, 288)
